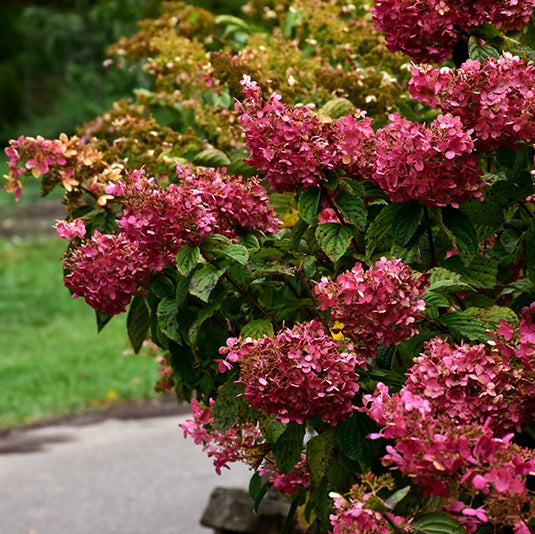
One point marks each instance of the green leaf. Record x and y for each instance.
(461, 232)
(204, 281)
(379, 228)
(137, 322)
(437, 523)
(481, 272)
(204, 314)
(352, 208)
(258, 489)
(183, 361)
(289, 447)
(167, 315)
(257, 329)
(237, 252)
(249, 241)
(319, 455)
(226, 407)
(102, 320)
(444, 281)
(491, 317)
(431, 298)
(479, 52)
(309, 203)
(162, 286)
(337, 107)
(212, 158)
(352, 437)
(406, 221)
(465, 325)
(187, 258)
(529, 246)
(484, 213)
(334, 239)
(394, 499)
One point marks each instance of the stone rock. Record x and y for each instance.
(231, 510)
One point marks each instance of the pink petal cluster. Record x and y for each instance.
(472, 384)
(434, 164)
(380, 305)
(107, 270)
(71, 230)
(293, 147)
(287, 483)
(356, 515)
(495, 98)
(299, 374)
(428, 30)
(439, 453)
(224, 448)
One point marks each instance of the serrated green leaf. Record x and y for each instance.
(352, 208)
(288, 448)
(162, 286)
(212, 157)
(182, 361)
(484, 213)
(461, 232)
(204, 281)
(319, 454)
(204, 314)
(394, 499)
(258, 489)
(529, 246)
(478, 51)
(334, 239)
(352, 437)
(166, 314)
(465, 324)
(309, 203)
(481, 272)
(442, 280)
(379, 228)
(137, 322)
(249, 241)
(432, 298)
(256, 329)
(491, 317)
(272, 429)
(406, 221)
(226, 407)
(337, 107)
(237, 252)
(187, 258)
(437, 523)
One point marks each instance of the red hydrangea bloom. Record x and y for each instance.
(428, 30)
(473, 383)
(293, 147)
(356, 515)
(299, 374)
(224, 448)
(434, 164)
(441, 455)
(106, 270)
(287, 483)
(495, 98)
(380, 305)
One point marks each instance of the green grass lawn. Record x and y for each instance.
(52, 361)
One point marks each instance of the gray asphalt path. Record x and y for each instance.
(111, 477)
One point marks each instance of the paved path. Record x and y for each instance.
(110, 477)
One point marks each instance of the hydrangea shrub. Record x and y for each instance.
(332, 247)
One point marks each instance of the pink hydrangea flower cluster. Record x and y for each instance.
(519, 342)
(434, 164)
(380, 305)
(287, 483)
(428, 30)
(495, 98)
(299, 374)
(107, 270)
(40, 156)
(441, 455)
(224, 448)
(472, 384)
(293, 147)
